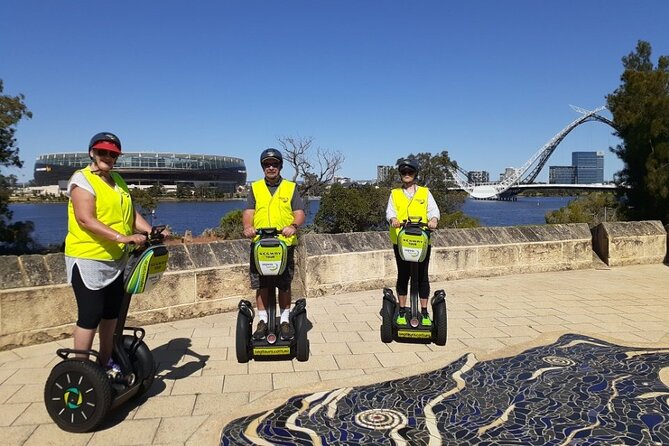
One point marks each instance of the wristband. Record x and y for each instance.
(118, 236)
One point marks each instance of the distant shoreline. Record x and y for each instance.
(49, 200)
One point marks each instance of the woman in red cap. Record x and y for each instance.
(101, 221)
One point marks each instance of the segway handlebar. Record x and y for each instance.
(155, 237)
(156, 234)
(267, 232)
(415, 222)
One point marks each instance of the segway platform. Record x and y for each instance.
(413, 242)
(270, 255)
(79, 393)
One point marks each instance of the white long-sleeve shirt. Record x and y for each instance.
(432, 208)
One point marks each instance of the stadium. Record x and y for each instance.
(146, 168)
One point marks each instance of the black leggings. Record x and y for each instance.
(95, 305)
(403, 273)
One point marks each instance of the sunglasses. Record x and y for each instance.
(109, 153)
(407, 172)
(268, 165)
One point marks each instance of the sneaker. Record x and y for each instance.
(261, 331)
(426, 321)
(401, 319)
(112, 369)
(286, 331)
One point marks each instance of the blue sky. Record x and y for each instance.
(489, 81)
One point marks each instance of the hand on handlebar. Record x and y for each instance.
(432, 224)
(136, 239)
(165, 233)
(288, 231)
(249, 232)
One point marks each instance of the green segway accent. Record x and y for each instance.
(270, 256)
(412, 243)
(414, 334)
(271, 351)
(73, 398)
(147, 270)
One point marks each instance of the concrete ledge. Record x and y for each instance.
(36, 305)
(630, 243)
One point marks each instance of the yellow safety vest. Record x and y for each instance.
(405, 207)
(113, 208)
(274, 211)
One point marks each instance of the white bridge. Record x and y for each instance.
(523, 177)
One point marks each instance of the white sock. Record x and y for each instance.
(285, 315)
(262, 315)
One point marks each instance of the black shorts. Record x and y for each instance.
(95, 305)
(282, 281)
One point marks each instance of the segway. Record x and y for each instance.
(413, 242)
(270, 255)
(79, 393)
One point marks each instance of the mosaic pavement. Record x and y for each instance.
(577, 391)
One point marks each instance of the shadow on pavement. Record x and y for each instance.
(167, 357)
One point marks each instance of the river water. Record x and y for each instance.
(50, 219)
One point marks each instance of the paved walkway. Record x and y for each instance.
(201, 387)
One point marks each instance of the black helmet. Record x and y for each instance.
(106, 141)
(408, 162)
(271, 153)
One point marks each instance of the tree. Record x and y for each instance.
(352, 209)
(12, 110)
(640, 109)
(184, 191)
(230, 227)
(592, 209)
(314, 173)
(156, 190)
(144, 200)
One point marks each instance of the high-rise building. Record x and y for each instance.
(383, 172)
(561, 175)
(507, 173)
(589, 167)
(478, 176)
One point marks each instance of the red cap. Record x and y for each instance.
(106, 145)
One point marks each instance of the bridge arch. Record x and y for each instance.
(530, 170)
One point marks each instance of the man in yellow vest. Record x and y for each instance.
(411, 200)
(274, 202)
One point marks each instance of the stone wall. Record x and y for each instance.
(630, 243)
(36, 305)
(361, 261)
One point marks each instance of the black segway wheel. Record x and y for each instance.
(77, 395)
(439, 324)
(387, 321)
(142, 361)
(243, 338)
(301, 339)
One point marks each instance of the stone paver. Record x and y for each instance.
(201, 387)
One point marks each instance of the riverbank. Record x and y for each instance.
(50, 219)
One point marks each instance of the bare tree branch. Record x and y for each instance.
(314, 174)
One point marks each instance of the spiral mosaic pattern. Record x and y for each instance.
(380, 419)
(558, 361)
(577, 391)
